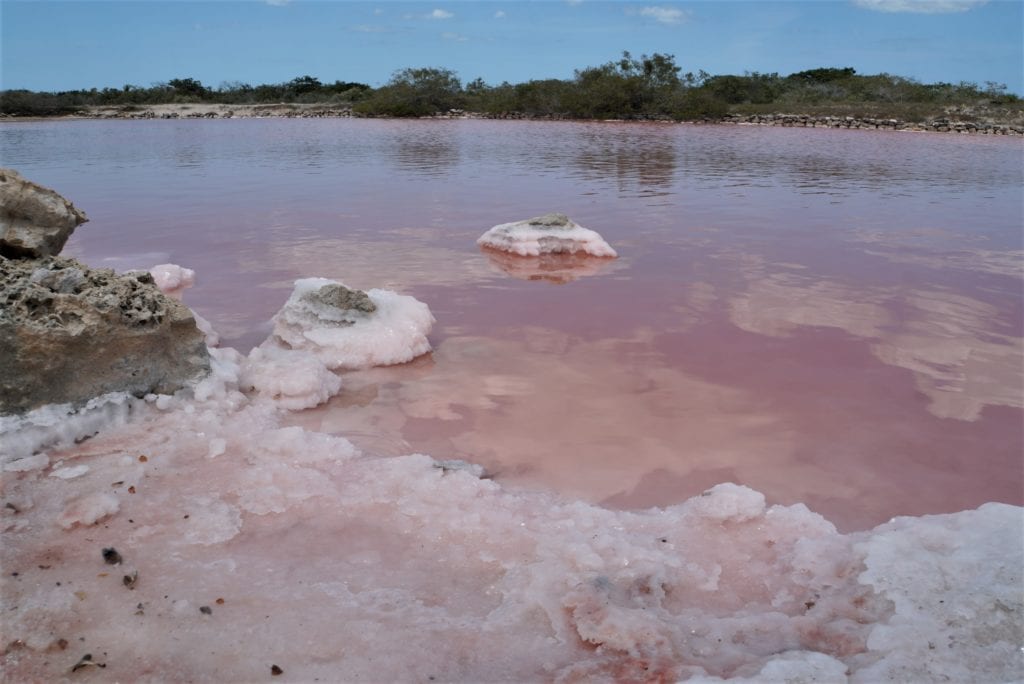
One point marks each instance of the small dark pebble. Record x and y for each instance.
(809, 604)
(185, 517)
(206, 610)
(44, 567)
(11, 507)
(86, 661)
(111, 556)
(14, 574)
(664, 540)
(129, 580)
(63, 643)
(117, 484)
(275, 670)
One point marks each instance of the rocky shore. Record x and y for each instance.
(945, 124)
(69, 333)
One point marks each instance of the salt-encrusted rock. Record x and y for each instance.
(352, 329)
(547, 234)
(34, 221)
(69, 333)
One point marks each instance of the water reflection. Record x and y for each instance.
(962, 356)
(430, 148)
(553, 268)
(857, 357)
(642, 159)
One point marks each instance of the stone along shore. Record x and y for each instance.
(317, 111)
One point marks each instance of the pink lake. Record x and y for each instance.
(829, 317)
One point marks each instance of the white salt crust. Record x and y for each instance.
(338, 566)
(395, 333)
(526, 239)
(294, 379)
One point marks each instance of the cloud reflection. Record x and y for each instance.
(955, 345)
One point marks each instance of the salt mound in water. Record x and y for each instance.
(293, 379)
(351, 329)
(548, 234)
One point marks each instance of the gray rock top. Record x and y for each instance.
(59, 293)
(551, 221)
(342, 298)
(34, 221)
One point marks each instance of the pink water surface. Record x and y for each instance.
(829, 317)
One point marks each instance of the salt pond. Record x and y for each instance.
(831, 318)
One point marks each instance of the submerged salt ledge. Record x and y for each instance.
(335, 565)
(548, 234)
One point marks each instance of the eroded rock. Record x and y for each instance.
(34, 221)
(341, 297)
(554, 220)
(69, 333)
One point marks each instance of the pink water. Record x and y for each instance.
(829, 317)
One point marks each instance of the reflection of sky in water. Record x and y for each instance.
(828, 316)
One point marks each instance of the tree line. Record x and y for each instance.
(645, 87)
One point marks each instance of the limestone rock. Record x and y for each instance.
(553, 221)
(34, 221)
(69, 333)
(340, 297)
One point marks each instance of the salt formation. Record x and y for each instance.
(337, 566)
(352, 329)
(34, 221)
(173, 280)
(294, 379)
(547, 234)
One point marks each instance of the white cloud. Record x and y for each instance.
(457, 37)
(378, 12)
(920, 6)
(499, 14)
(664, 15)
(277, 3)
(436, 14)
(574, 2)
(369, 28)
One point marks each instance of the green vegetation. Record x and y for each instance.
(648, 87)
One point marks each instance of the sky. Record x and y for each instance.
(75, 44)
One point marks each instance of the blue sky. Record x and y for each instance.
(82, 43)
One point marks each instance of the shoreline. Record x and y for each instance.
(318, 111)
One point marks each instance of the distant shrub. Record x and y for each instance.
(415, 92)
